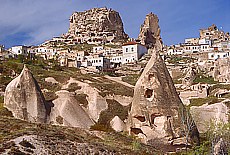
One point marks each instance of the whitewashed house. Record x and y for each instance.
(19, 50)
(99, 62)
(132, 52)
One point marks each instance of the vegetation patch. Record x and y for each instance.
(108, 87)
(114, 109)
(59, 119)
(73, 87)
(200, 78)
(81, 98)
(131, 79)
(202, 101)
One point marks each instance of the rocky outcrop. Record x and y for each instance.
(157, 111)
(150, 31)
(24, 98)
(117, 124)
(68, 112)
(221, 70)
(189, 77)
(206, 114)
(97, 25)
(96, 103)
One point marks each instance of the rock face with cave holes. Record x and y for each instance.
(97, 25)
(23, 97)
(157, 111)
(150, 31)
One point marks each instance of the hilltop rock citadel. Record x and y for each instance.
(98, 25)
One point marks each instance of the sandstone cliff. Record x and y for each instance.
(24, 98)
(150, 31)
(97, 24)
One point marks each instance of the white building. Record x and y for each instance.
(98, 62)
(132, 52)
(116, 59)
(191, 48)
(204, 48)
(205, 41)
(174, 52)
(19, 50)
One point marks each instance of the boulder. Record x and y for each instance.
(68, 112)
(205, 114)
(23, 97)
(117, 124)
(51, 80)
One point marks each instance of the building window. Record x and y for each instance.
(127, 49)
(132, 49)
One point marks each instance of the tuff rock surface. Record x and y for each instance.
(157, 111)
(189, 77)
(97, 23)
(68, 112)
(221, 70)
(117, 124)
(206, 114)
(23, 97)
(150, 31)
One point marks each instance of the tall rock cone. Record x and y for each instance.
(150, 31)
(157, 111)
(23, 97)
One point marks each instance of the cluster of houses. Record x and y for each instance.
(214, 42)
(99, 58)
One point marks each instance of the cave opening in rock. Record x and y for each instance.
(136, 131)
(140, 118)
(148, 93)
(150, 76)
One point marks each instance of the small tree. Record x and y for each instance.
(190, 129)
(219, 133)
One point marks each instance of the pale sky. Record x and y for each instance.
(31, 22)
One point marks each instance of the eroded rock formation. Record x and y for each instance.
(189, 77)
(97, 25)
(150, 31)
(157, 111)
(221, 70)
(68, 112)
(24, 98)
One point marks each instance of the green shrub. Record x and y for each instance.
(131, 79)
(81, 98)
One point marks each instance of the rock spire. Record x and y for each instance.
(23, 97)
